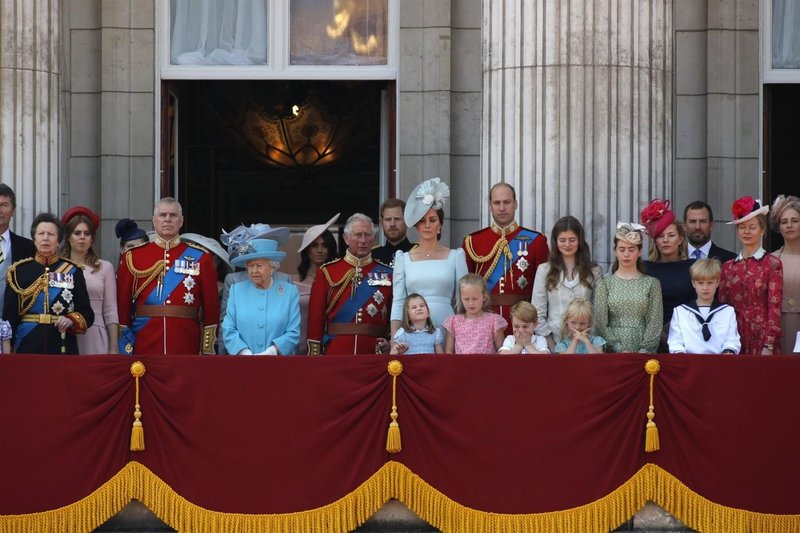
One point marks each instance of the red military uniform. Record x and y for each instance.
(507, 258)
(349, 307)
(167, 296)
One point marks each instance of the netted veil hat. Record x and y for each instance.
(781, 204)
(430, 194)
(746, 208)
(656, 216)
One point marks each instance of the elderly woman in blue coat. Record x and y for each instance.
(263, 313)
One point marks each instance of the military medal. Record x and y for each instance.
(188, 298)
(57, 308)
(378, 297)
(372, 310)
(522, 282)
(189, 283)
(522, 262)
(66, 295)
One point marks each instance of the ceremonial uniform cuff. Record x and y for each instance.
(208, 340)
(78, 323)
(314, 347)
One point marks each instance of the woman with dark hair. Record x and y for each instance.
(46, 301)
(753, 282)
(627, 304)
(80, 228)
(568, 274)
(430, 268)
(318, 247)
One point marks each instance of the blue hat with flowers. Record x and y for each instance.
(257, 249)
(244, 234)
(430, 194)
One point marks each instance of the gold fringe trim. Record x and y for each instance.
(395, 480)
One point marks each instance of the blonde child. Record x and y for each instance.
(417, 334)
(473, 330)
(704, 325)
(524, 320)
(5, 336)
(576, 326)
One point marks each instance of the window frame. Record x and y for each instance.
(278, 48)
(769, 74)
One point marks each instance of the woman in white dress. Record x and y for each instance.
(429, 269)
(80, 230)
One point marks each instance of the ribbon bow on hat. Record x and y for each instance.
(630, 232)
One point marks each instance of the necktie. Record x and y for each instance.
(697, 254)
(2, 255)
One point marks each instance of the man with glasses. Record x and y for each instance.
(348, 311)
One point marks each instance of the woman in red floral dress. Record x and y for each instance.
(753, 282)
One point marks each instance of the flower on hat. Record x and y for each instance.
(743, 207)
(432, 193)
(237, 235)
(654, 210)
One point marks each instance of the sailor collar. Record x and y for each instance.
(46, 261)
(357, 261)
(167, 244)
(503, 231)
(758, 256)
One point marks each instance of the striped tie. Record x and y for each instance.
(2, 255)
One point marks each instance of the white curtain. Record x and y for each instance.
(786, 34)
(218, 32)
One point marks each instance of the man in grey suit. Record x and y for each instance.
(12, 246)
(698, 220)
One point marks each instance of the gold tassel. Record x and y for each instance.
(137, 432)
(393, 442)
(651, 443)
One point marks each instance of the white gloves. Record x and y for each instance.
(272, 350)
(245, 351)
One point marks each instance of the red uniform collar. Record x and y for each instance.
(507, 230)
(46, 261)
(167, 244)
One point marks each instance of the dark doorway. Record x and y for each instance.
(281, 152)
(781, 145)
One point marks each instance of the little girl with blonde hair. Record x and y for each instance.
(474, 330)
(576, 327)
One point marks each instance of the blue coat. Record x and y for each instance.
(258, 318)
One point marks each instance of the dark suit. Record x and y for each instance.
(720, 253)
(21, 248)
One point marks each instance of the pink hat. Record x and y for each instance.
(656, 216)
(746, 208)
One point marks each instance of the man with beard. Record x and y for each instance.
(698, 220)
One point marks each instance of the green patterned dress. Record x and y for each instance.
(628, 313)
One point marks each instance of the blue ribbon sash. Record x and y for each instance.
(364, 291)
(523, 236)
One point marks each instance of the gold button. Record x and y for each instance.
(169, 302)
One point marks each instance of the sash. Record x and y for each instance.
(171, 279)
(24, 328)
(364, 291)
(523, 236)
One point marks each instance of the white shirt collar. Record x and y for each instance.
(760, 253)
(706, 248)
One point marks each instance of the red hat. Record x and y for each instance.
(656, 216)
(82, 210)
(746, 208)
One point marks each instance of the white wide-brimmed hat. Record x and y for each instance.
(258, 249)
(210, 244)
(315, 231)
(430, 194)
(746, 208)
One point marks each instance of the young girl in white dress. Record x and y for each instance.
(474, 330)
(417, 335)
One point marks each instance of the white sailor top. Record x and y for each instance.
(704, 330)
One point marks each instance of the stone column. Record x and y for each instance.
(577, 109)
(30, 37)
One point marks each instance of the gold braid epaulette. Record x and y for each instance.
(28, 295)
(500, 246)
(150, 273)
(342, 284)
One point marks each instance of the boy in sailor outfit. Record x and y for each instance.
(705, 325)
